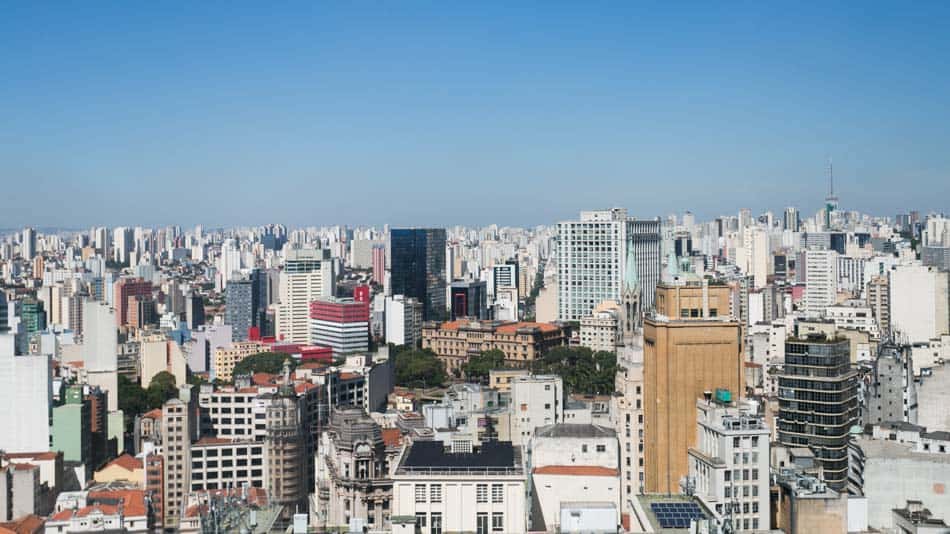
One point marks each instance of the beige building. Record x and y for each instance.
(689, 349)
(226, 358)
(600, 331)
(500, 379)
(522, 342)
(176, 445)
(878, 297)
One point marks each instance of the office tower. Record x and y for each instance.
(195, 311)
(379, 264)
(28, 243)
(790, 222)
(124, 295)
(26, 395)
(417, 266)
(72, 428)
(821, 285)
(403, 320)
(239, 308)
(592, 255)
(100, 349)
(308, 275)
(140, 311)
(818, 402)
(919, 303)
(730, 464)
(286, 449)
(32, 321)
(176, 446)
(504, 276)
(123, 242)
(341, 324)
(469, 300)
(691, 346)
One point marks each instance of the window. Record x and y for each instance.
(498, 522)
(435, 495)
(436, 523)
(602, 448)
(735, 443)
(755, 441)
(420, 493)
(420, 522)
(481, 493)
(497, 493)
(584, 448)
(481, 523)
(728, 475)
(727, 492)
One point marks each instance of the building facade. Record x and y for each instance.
(522, 342)
(417, 268)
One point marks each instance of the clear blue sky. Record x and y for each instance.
(465, 112)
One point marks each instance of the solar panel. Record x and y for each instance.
(676, 514)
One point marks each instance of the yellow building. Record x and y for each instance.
(522, 342)
(501, 379)
(685, 355)
(226, 358)
(125, 467)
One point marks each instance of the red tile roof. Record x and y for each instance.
(133, 501)
(154, 414)
(576, 470)
(127, 462)
(31, 455)
(510, 328)
(28, 524)
(392, 437)
(263, 379)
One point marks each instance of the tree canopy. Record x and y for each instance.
(263, 362)
(478, 367)
(419, 368)
(582, 370)
(135, 400)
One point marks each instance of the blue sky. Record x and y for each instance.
(466, 113)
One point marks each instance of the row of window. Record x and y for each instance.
(434, 493)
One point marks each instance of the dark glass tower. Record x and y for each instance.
(818, 402)
(418, 268)
(469, 300)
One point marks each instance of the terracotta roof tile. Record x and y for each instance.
(127, 462)
(153, 414)
(28, 524)
(392, 437)
(576, 470)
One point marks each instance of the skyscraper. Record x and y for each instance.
(418, 268)
(592, 256)
(821, 280)
(818, 402)
(469, 299)
(28, 243)
(239, 307)
(790, 222)
(307, 275)
(691, 346)
(27, 396)
(126, 290)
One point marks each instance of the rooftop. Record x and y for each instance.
(427, 456)
(567, 430)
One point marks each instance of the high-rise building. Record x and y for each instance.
(818, 402)
(919, 302)
(308, 275)
(72, 428)
(504, 276)
(821, 283)
(892, 392)
(790, 222)
(878, 298)
(592, 256)
(195, 310)
(100, 349)
(176, 445)
(379, 264)
(32, 321)
(28, 243)
(729, 466)
(469, 299)
(239, 307)
(286, 449)
(26, 394)
(403, 320)
(691, 346)
(417, 267)
(341, 324)
(123, 296)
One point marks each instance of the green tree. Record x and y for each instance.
(582, 370)
(162, 388)
(478, 367)
(132, 399)
(419, 368)
(263, 362)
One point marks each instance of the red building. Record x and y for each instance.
(342, 324)
(125, 288)
(361, 294)
(379, 264)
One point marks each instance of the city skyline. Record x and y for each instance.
(368, 115)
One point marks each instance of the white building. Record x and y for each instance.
(601, 330)
(100, 349)
(536, 400)
(918, 297)
(26, 394)
(853, 314)
(628, 420)
(821, 271)
(730, 463)
(436, 491)
(307, 275)
(403, 320)
(574, 463)
(592, 255)
(218, 463)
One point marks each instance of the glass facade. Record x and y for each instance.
(418, 268)
(818, 403)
